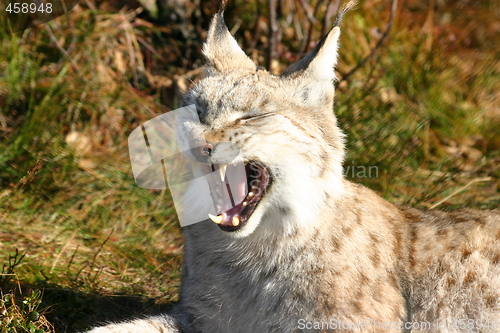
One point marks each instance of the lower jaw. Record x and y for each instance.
(236, 218)
(241, 218)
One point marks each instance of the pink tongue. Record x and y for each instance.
(227, 195)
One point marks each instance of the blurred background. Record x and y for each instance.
(80, 243)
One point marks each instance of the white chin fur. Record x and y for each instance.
(284, 211)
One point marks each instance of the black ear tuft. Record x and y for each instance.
(222, 7)
(347, 7)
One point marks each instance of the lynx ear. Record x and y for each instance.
(319, 63)
(221, 49)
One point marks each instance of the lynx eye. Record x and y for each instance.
(253, 117)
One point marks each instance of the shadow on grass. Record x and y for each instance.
(71, 311)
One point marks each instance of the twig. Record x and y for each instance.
(58, 256)
(90, 4)
(71, 27)
(281, 7)
(273, 33)
(308, 10)
(255, 28)
(476, 180)
(92, 280)
(305, 44)
(377, 46)
(128, 37)
(64, 52)
(70, 263)
(20, 184)
(150, 48)
(296, 22)
(331, 9)
(312, 21)
(8, 269)
(428, 26)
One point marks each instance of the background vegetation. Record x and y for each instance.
(80, 243)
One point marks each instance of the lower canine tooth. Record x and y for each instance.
(244, 203)
(250, 194)
(236, 221)
(216, 219)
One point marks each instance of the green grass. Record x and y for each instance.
(424, 111)
(20, 315)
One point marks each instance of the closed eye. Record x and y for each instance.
(245, 118)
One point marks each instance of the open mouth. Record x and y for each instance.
(236, 191)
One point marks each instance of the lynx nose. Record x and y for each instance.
(218, 153)
(203, 152)
(207, 149)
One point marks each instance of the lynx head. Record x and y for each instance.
(283, 125)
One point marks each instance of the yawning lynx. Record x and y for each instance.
(305, 250)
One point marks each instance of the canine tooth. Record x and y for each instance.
(216, 219)
(250, 194)
(236, 221)
(222, 171)
(244, 203)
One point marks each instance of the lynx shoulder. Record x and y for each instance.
(304, 250)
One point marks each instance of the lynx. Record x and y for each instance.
(308, 251)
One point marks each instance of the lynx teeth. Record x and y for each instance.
(222, 171)
(217, 219)
(235, 221)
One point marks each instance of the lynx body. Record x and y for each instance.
(314, 252)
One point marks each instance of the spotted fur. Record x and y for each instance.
(317, 248)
